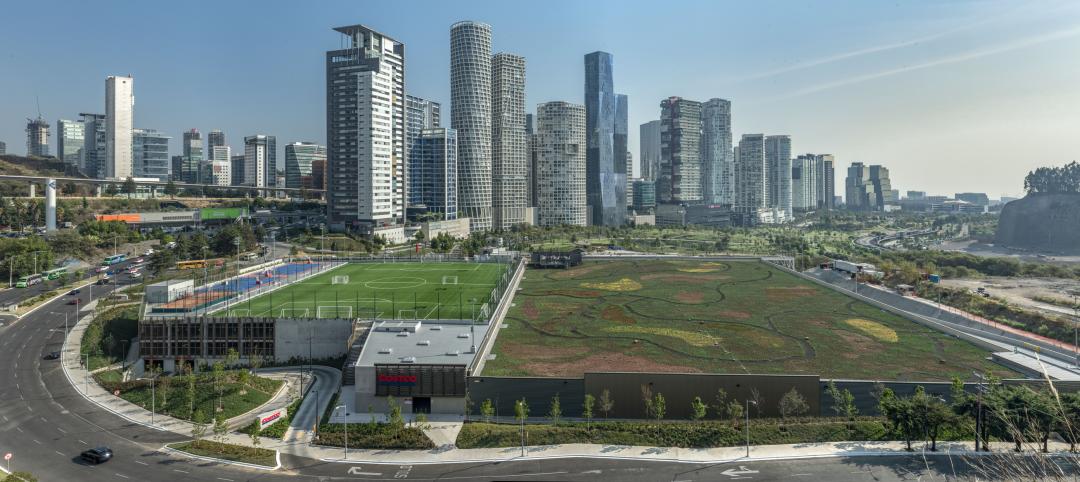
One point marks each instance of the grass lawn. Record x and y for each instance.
(373, 436)
(172, 394)
(236, 453)
(408, 290)
(278, 429)
(683, 434)
(104, 337)
(714, 317)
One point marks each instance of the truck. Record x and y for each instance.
(852, 268)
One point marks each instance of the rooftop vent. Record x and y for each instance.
(403, 334)
(453, 353)
(408, 359)
(437, 328)
(386, 351)
(424, 343)
(463, 335)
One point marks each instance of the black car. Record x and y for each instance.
(97, 455)
(53, 355)
(74, 292)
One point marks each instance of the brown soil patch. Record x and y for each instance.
(540, 352)
(530, 310)
(615, 313)
(577, 271)
(690, 296)
(856, 345)
(604, 362)
(683, 278)
(738, 315)
(787, 294)
(576, 293)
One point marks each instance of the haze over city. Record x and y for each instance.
(936, 92)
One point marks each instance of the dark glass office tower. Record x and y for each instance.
(605, 175)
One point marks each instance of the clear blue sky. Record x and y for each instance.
(950, 96)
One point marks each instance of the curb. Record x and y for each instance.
(50, 300)
(277, 458)
(864, 453)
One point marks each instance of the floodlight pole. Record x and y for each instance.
(748, 402)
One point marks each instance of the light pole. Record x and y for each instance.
(318, 413)
(748, 402)
(86, 375)
(345, 409)
(1076, 320)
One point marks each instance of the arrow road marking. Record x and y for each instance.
(357, 470)
(741, 471)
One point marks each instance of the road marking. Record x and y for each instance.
(181, 471)
(800, 475)
(357, 470)
(226, 480)
(122, 475)
(61, 430)
(5, 418)
(19, 429)
(84, 443)
(58, 452)
(592, 472)
(742, 470)
(509, 475)
(43, 419)
(37, 442)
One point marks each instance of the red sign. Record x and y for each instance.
(396, 379)
(268, 418)
(7, 456)
(271, 418)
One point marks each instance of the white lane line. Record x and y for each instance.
(226, 480)
(141, 462)
(181, 471)
(28, 407)
(43, 419)
(37, 441)
(122, 475)
(19, 429)
(516, 475)
(61, 430)
(84, 443)
(58, 452)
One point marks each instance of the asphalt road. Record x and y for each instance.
(45, 423)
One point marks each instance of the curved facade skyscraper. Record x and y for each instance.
(470, 115)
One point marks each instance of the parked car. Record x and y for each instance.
(53, 355)
(102, 269)
(97, 455)
(136, 275)
(74, 292)
(138, 260)
(73, 301)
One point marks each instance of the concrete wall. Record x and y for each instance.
(328, 338)
(537, 392)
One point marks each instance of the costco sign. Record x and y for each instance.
(396, 380)
(267, 419)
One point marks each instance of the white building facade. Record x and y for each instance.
(119, 121)
(508, 144)
(560, 156)
(470, 116)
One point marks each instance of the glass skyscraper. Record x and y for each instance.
(420, 114)
(470, 116)
(434, 175)
(69, 140)
(299, 158)
(150, 154)
(605, 171)
(717, 156)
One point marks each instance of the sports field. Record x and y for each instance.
(405, 290)
(713, 317)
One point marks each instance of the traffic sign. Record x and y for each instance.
(7, 456)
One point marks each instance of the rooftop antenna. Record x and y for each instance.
(37, 99)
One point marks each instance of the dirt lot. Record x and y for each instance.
(1023, 291)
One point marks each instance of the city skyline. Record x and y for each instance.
(819, 90)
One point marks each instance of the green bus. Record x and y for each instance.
(28, 281)
(54, 273)
(114, 259)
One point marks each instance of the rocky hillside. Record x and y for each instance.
(1041, 222)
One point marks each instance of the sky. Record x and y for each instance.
(950, 96)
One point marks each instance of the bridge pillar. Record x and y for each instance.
(98, 189)
(33, 190)
(50, 205)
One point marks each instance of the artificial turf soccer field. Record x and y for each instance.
(714, 317)
(404, 290)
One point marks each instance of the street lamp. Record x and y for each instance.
(345, 409)
(748, 402)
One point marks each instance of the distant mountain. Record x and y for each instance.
(1041, 222)
(36, 166)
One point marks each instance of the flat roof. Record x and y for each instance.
(421, 343)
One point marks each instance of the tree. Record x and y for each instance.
(721, 406)
(487, 410)
(735, 412)
(843, 400)
(243, 377)
(606, 402)
(20, 477)
(698, 409)
(161, 261)
(521, 410)
(555, 411)
(221, 429)
(647, 399)
(659, 407)
(759, 401)
(198, 427)
(171, 190)
(219, 374)
(934, 415)
(899, 412)
(128, 187)
(190, 392)
(587, 410)
(792, 404)
(394, 417)
(1069, 423)
(255, 439)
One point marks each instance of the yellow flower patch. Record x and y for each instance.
(692, 337)
(874, 329)
(625, 284)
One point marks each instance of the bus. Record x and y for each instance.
(54, 273)
(114, 259)
(28, 281)
(193, 264)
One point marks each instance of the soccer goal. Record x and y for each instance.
(449, 280)
(340, 280)
(331, 311)
(296, 312)
(407, 314)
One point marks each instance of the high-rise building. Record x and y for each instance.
(680, 152)
(624, 162)
(750, 192)
(318, 174)
(826, 194)
(176, 171)
(629, 179)
(92, 155)
(192, 145)
(119, 122)
(365, 131)
(236, 169)
(858, 191)
(508, 144)
(435, 172)
(260, 160)
(717, 155)
(191, 167)
(530, 159)
(805, 189)
(884, 194)
(220, 153)
(560, 146)
(778, 174)
(70, 135)
(420, 114)
(605, 175)
(644, 195)
(470, 116)
(220, 172)
(150, 154)
(215, 139)
(299, 158)
(37, 138)
(649, 150)
(916, 195)
(3, 148)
